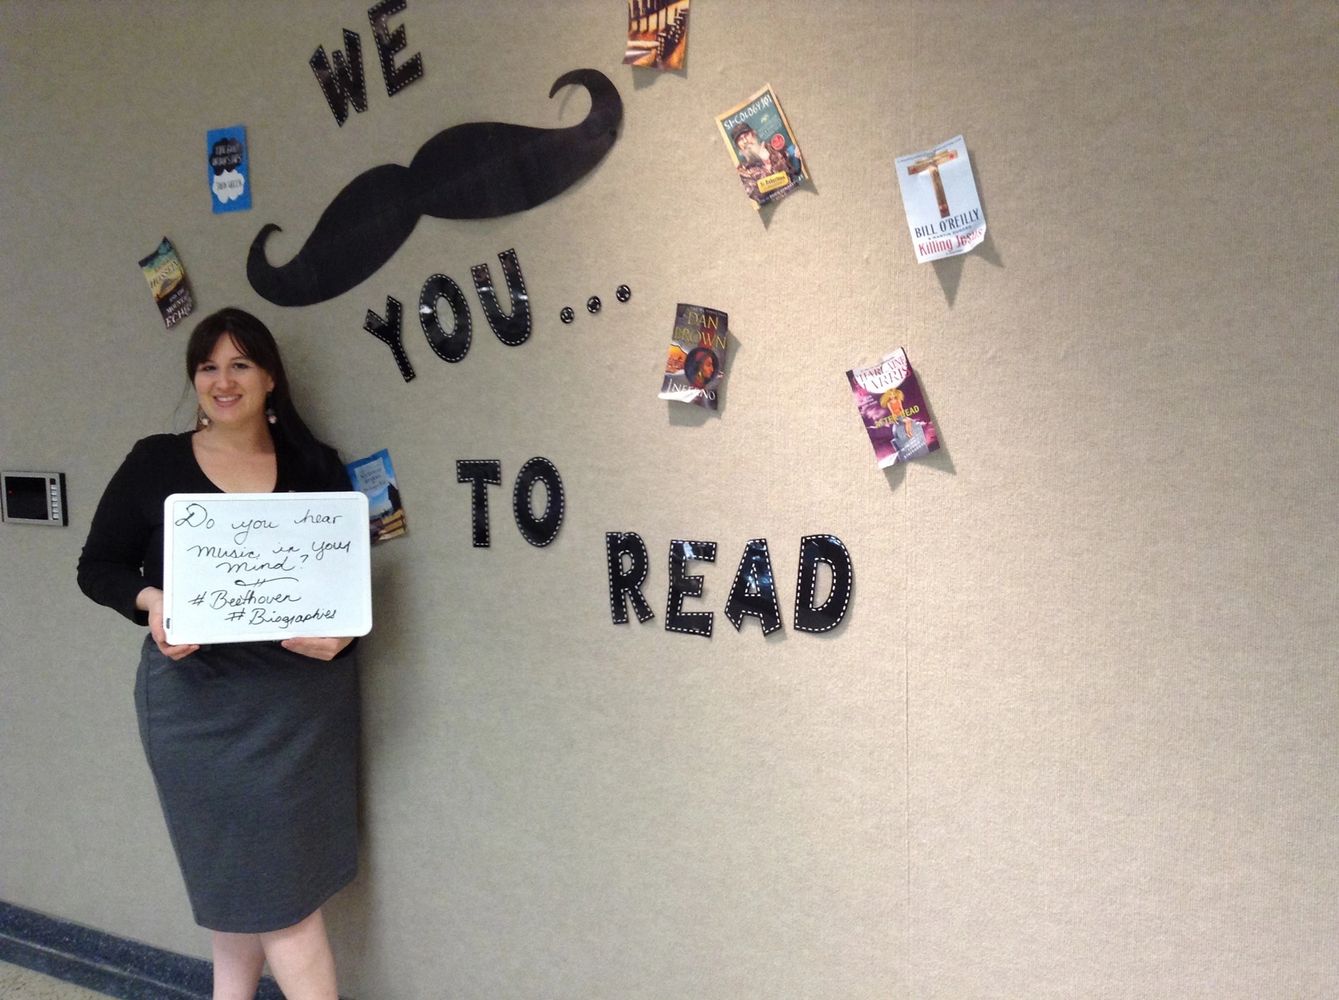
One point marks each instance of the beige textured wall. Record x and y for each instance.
(1079, 735)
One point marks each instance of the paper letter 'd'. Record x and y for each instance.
(815, 549)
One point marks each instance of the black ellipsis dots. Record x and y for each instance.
(594, 305)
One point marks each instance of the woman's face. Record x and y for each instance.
(230, 387)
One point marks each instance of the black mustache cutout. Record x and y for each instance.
(475, 170)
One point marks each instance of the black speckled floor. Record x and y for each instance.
(45, 958)
(17, 983)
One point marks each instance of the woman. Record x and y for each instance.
(253, 746)
(700, 366)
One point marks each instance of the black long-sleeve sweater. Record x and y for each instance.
(124, 550)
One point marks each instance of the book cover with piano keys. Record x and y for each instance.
(657, 34)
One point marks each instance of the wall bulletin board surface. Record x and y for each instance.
(1077, 733)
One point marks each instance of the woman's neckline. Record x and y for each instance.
(195, 458)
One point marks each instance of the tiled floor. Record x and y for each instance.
(17, 983)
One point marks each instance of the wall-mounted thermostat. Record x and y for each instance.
(33, 498)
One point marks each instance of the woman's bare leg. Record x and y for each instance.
(301, 960)
(238, 960)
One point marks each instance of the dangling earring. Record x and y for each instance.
(270, 415)
(201, 418)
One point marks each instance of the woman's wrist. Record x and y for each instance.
(147, 597)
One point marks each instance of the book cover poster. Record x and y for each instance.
(762, 144)
(375, 477)
(166, 276)
(696, 362)
(939, 194)
(657, 34)
(227, 169)
(892, 407)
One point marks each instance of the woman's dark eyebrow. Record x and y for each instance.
(235, 357)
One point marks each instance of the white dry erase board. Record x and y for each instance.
(244, 567)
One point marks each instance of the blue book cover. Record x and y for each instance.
(375, 477)
(228, 169)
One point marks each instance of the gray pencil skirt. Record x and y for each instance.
(254, 751)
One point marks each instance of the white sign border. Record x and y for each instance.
(359, 551)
